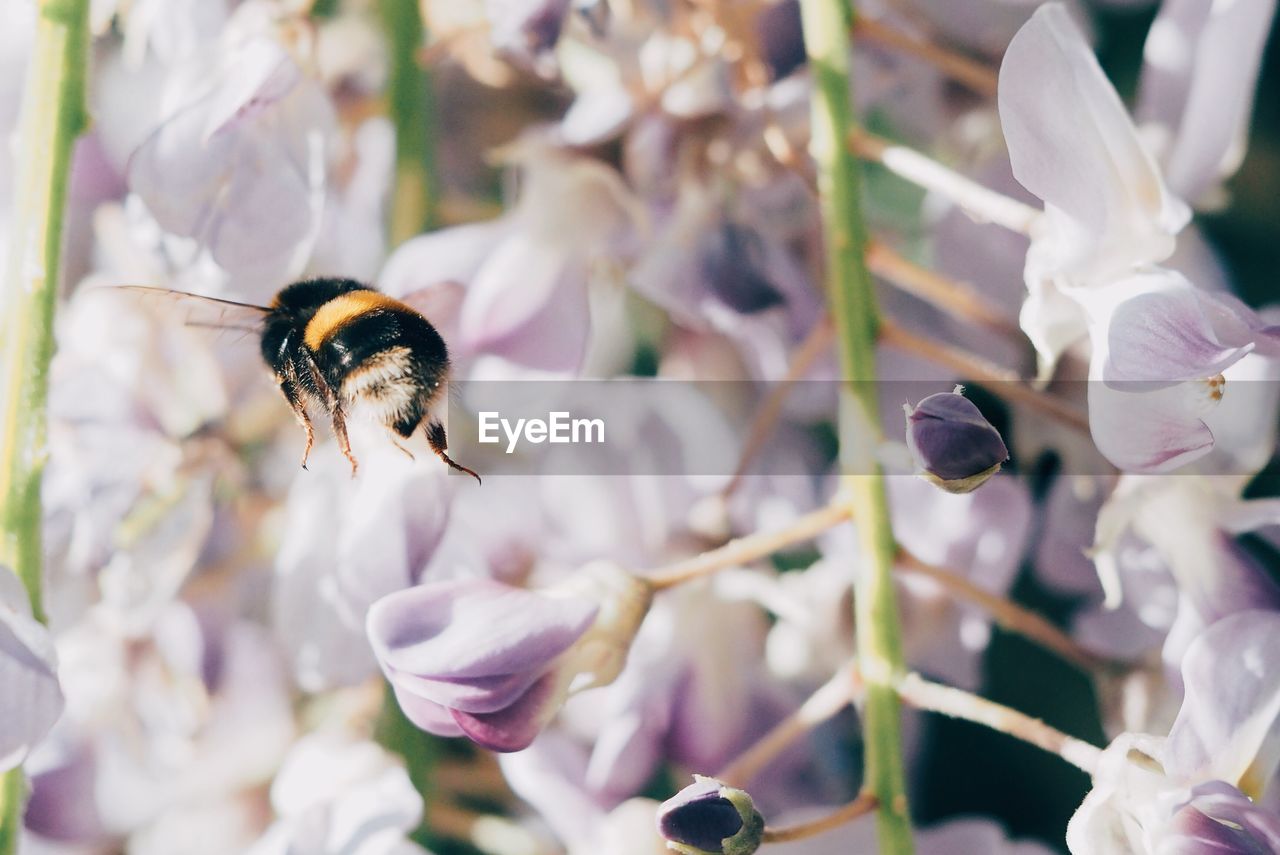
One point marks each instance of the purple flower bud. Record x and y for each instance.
(953, 445)
(732, 263)
(708, 818)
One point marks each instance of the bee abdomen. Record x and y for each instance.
(387, 362)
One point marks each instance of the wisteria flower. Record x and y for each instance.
(1193, 789)
(527, 275)
(493, 662)
(1108, 219)
(1190, 522)
(1159, 353)
(336, 793)
(164, 732)
(239, 162)
(30, 698)
(1072, 144)
(346, 545)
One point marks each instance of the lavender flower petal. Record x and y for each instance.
(1229, 724)
(30, 698)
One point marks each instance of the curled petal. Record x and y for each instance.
(1229, 724)
(473, 629)
(1221, 820)
(428, 715)
(514, 727)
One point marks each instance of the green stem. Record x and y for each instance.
(419, 750)
(53, 115)
(853, 308)
(412, 105)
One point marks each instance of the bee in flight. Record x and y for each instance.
(341, 345)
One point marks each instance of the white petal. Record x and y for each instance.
(1198, 80)
(30, 699)
(1071, 143)
(1229, 725)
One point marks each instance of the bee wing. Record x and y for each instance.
(197, 310)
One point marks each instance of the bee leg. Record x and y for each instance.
(344, 442)
(329, 398)
(438, 441)
(294, 397)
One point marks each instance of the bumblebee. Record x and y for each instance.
(340, 345)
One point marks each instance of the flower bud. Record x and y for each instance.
(953, 445)
(708, 818)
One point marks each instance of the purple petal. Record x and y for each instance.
(30, 698)
(473, 695)
(1175, 334)
(473, 628)
(515, 728)
(1221, 820)
(1229, 724)
(731, 265)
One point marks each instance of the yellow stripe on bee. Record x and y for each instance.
(343, 308)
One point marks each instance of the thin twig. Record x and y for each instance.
(1000, 381)
(752, 547)
(766, 417)
(1008, 614)
(831, 697)
(956, 298)
(862, 805)
(956, 703)
(974, 74)
(982, 203)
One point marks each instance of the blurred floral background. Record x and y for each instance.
(1070, 210)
